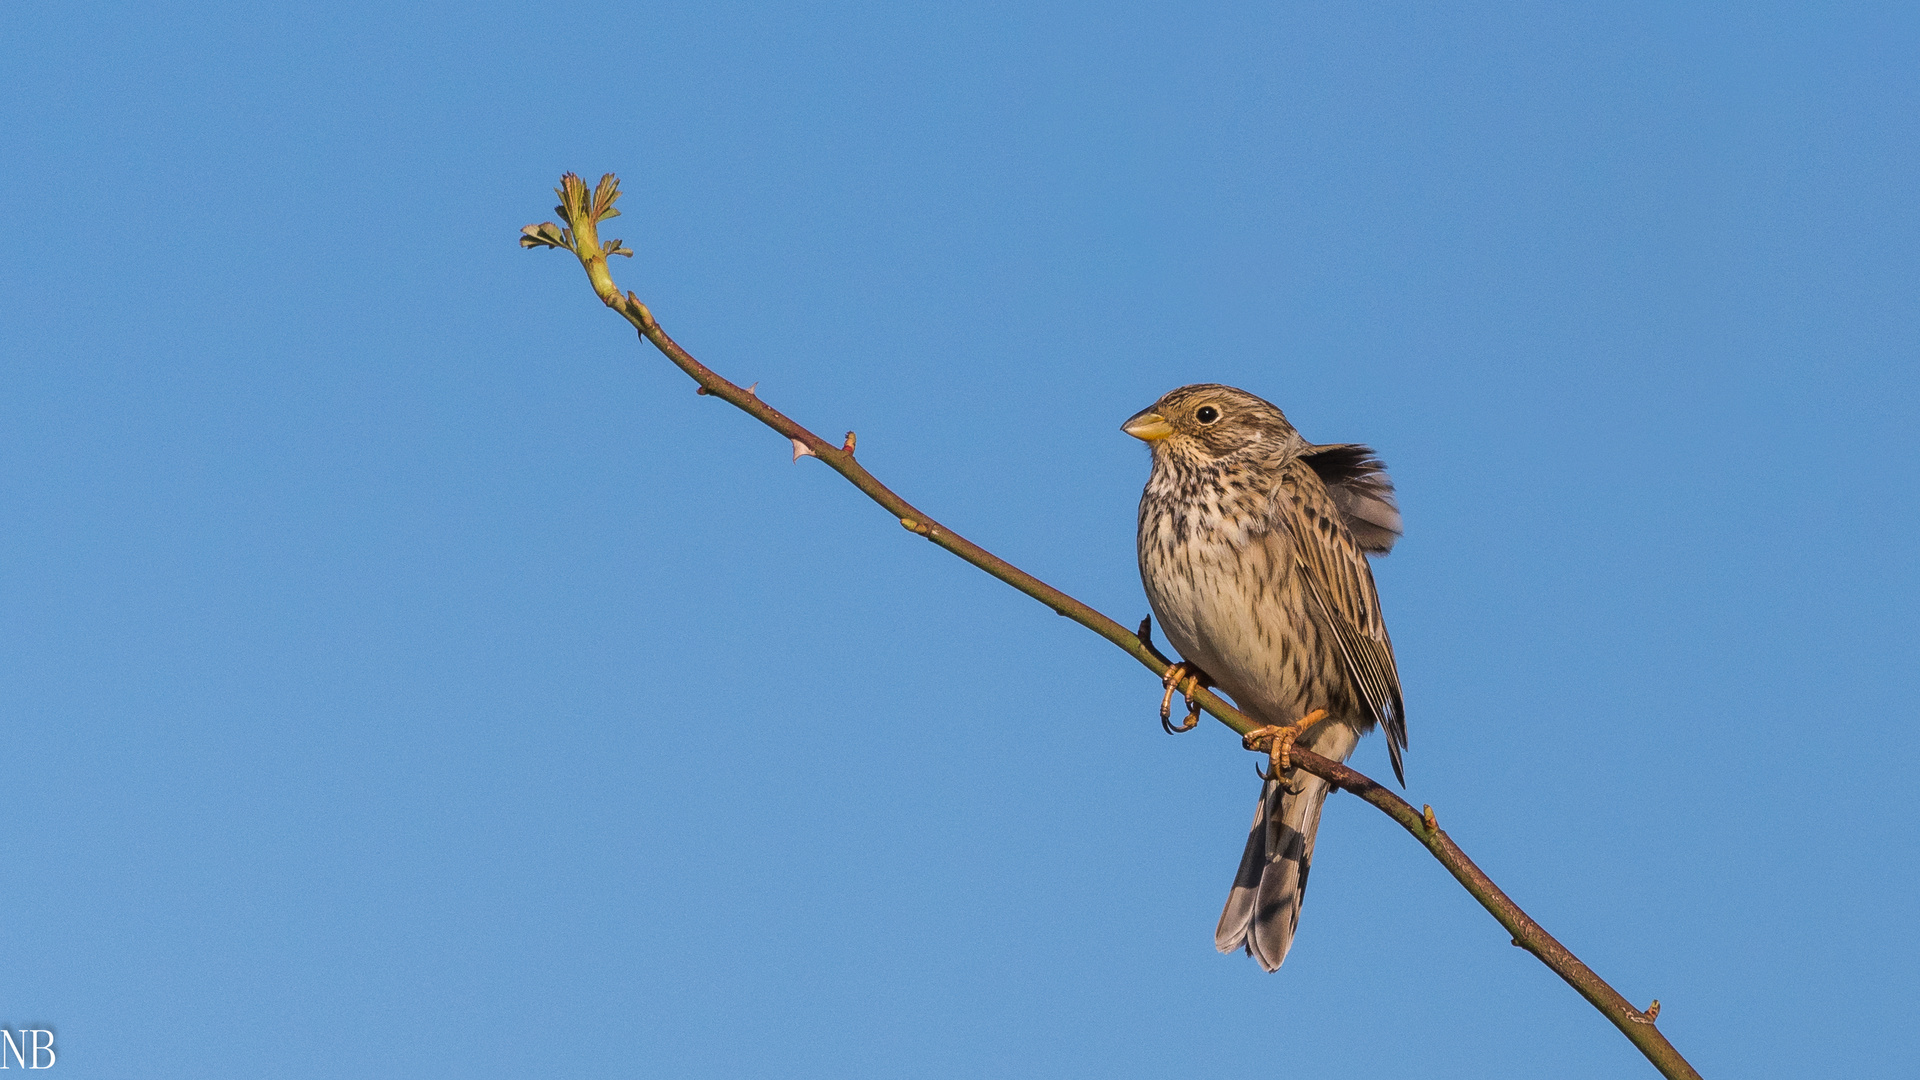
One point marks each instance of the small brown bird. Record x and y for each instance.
(1253, 550)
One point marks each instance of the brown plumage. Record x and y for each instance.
(1253, 551)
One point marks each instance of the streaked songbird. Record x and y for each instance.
(1253, 551)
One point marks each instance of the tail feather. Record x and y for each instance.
(1263, 908)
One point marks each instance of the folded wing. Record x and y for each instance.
(1332, 558)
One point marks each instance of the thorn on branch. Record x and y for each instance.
(750, 390)
(1145, 634)
(702, 391)
(801, 450)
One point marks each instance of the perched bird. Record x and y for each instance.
(1253, 551)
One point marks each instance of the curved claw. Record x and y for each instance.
(1279, 739)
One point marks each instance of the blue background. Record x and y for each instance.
(406, 674)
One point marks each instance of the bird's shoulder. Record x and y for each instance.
(1299, 494)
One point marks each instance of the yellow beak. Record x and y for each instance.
(1148, 426)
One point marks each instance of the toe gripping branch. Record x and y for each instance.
(1177, 674)
(1277, 741)
(1192, 678)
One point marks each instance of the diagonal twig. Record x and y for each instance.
(584, 210)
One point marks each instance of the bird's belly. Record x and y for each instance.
(1241, 615)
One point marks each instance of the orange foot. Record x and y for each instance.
(1194, 679)
(1277, 740)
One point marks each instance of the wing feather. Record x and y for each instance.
(1334, 565)
(1357, 482)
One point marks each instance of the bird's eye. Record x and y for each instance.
(1206, 414)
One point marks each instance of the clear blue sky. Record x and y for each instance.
(407, 675)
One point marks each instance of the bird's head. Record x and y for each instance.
(1208, 422)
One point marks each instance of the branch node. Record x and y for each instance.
(916, 527)
(1652, 1013)
(847, 447)
(640, 310)
(702, 391)
(801, 450)
(1426, 815)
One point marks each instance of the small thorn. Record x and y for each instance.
(1426, 815)
(801, 450)
(750, 390)
(847, 447)
(1145, 634)
(701, 390)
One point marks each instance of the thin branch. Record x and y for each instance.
(584, 210)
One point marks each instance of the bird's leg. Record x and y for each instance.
(1277, 740)
(1194, 679)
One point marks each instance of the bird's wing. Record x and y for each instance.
(1341, 584)
(1358, 484)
